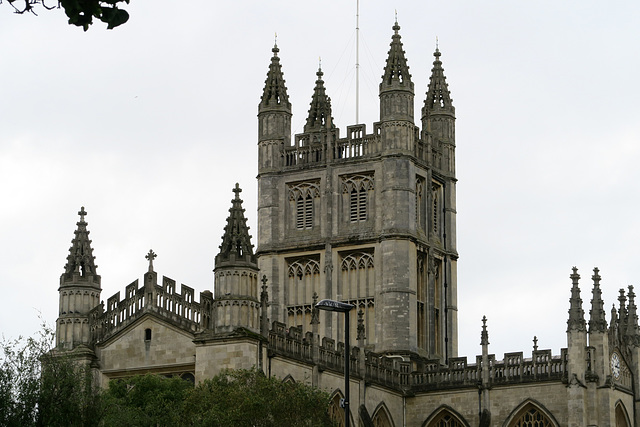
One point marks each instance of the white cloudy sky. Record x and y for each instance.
(150, 125)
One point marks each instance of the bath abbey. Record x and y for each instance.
(367, 218)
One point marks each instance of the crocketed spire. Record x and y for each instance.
(438, 96)
(275, 95)
(396, 71)
(576, 314)
(597, 317)
(236, 242)
(80, 261)
(484, 336)
(320, 110)
(632, 319)
(622, 312)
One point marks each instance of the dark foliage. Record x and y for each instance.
(80, 12)
(44, 387)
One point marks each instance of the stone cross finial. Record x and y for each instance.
(82, 214)
(237, 190)
(151, 256)
(264, 281)
(535, 343)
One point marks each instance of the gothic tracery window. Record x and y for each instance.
(445, 419)
(382, 418)
(336, 412)
(303, 280)
(302, 195)
(357, 189)
(356, 285)
(531, 416)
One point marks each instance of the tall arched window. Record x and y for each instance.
(622, 419)
(531, 415)
(336, 412)
(445, 417)
(381, 417)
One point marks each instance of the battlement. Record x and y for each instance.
(180, 309)
(321, 148)
(417, 374)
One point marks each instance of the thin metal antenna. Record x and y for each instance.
(357, 61)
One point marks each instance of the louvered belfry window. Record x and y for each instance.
(358, 205)
(304, 212)
(356, 190)
(302, 197)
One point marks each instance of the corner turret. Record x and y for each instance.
(438, 112)
(274, 117)
(236, 275)
(79, 290)
(598, 339)
(576, 320)
(320, 110)
(396, 88)
(398, 133)
(576, 354)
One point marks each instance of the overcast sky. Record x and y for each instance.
(150, 125)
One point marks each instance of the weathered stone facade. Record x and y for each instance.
(369, 219)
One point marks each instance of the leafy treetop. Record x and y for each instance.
(80, 12)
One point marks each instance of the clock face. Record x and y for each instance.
(615, 365)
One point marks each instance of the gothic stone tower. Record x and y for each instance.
(369, 218)
(79, 291)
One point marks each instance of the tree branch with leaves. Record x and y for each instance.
(80, 12)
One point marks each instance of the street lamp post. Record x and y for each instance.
(341, 307)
